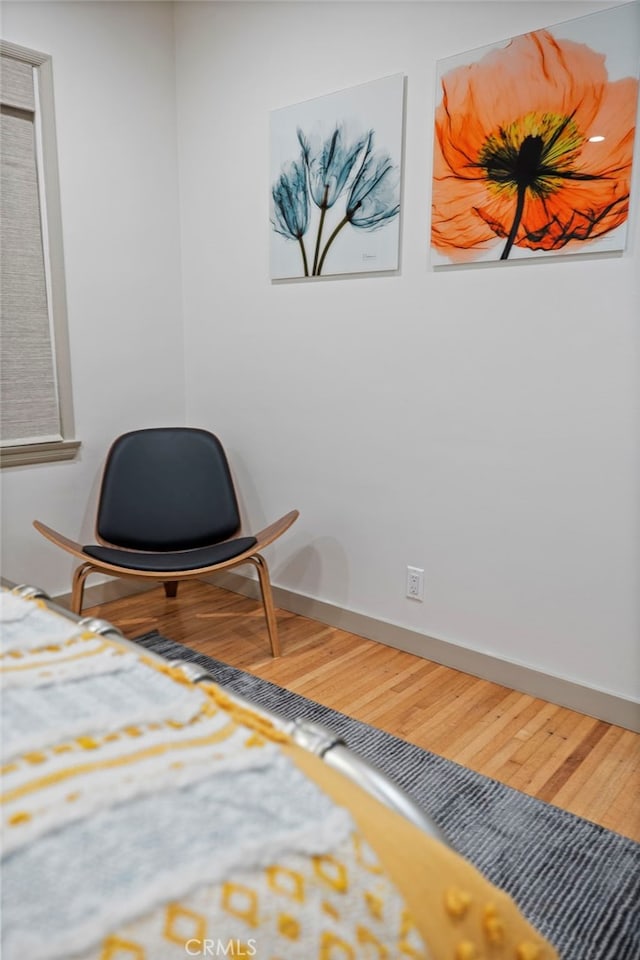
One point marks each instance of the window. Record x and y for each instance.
(36, 417)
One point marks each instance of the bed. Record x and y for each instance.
(150, 815)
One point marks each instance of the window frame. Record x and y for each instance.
(21, 454)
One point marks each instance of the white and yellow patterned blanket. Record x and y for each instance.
(146, 818)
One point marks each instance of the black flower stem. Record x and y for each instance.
(304, 256)
(323, 210)
(328, 244)
(522, 191)
(320, 226)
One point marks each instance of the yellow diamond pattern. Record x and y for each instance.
(368, 939)
(288, 926)
(334, 948)
(289, 883)
(332, 871)
(330, 909)
(365, 857)
(375, 905)
(406, 950)
(241, 902)
(323, 907)
(181, 924)
(114, 948)
(408, 929)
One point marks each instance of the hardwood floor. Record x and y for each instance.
(584, 765)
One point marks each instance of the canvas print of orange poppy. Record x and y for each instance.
(534, 141)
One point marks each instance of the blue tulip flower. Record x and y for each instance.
(373, 196)
(329, 166)
(291, 205)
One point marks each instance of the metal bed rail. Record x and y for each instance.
(310, 736)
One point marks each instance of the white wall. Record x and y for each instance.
(482, 424)
(114, 84)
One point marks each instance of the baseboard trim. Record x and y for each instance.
(104, 592)
(566, 693)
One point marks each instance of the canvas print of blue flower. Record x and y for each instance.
(335, 182)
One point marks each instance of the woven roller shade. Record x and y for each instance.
(16, 84)
(28, 390)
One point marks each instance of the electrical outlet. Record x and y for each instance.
(415, 583)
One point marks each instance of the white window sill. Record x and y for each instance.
(39, 453)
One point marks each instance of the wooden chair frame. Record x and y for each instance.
(171, 579)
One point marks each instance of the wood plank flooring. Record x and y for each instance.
(584, 765)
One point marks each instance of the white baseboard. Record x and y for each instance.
(566, 693)
(104, 592)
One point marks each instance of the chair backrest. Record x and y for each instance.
(167, 488)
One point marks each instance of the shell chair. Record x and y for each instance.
(168, 512)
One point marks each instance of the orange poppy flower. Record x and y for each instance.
(513, 157)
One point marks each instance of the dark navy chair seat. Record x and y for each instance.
(182, 560)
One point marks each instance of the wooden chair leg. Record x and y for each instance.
(267, 602)
(170, 588)
(80, 574)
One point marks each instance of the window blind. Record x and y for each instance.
(29, 406)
